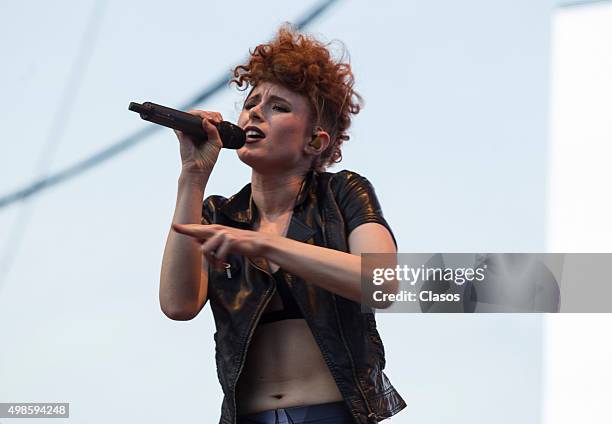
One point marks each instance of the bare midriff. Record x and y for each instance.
(284, 368)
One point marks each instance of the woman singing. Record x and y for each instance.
(279, 261)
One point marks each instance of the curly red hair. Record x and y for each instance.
(304, 65)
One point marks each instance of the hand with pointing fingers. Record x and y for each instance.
(219, 240)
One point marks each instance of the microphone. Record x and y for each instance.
(232, 136)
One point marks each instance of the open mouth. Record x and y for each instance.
(254, 134)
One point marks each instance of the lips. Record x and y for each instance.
(253, 134)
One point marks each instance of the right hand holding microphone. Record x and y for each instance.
(201, 157)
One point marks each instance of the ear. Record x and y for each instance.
(318, 143)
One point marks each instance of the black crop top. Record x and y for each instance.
(290, 309)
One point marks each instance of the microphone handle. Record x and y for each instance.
(232, 136)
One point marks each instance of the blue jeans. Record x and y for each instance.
(322, 413)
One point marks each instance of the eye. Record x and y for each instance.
(248, 106)
(281, 108)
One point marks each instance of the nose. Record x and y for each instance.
(255, 112)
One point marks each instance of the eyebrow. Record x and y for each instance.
(272, 97)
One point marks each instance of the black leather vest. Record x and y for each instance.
(328, 206)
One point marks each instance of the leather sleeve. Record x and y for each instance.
(358, 202)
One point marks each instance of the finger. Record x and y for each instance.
(196, 112)
(211, 245)
(214, 117)
(212, 132)
(201, 113)
(212, 259)
(199, 231)
(205, 114)
(225, 248)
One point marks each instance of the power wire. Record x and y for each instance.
(572, 3)
(133, 139)
(62, 114)
(55, 135)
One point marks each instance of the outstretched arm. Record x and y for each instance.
(333, 270)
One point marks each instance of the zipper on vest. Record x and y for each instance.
(258, 313)
(371, 413)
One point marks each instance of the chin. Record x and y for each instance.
(261, 162)
(256, 160)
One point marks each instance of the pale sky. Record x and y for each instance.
(453, 136)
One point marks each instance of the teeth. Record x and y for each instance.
(253, 133)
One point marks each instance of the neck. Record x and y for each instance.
(275, 194)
